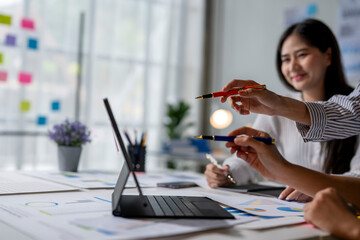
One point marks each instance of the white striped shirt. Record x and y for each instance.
(337, 118)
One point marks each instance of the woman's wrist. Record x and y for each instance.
(348, 228)
(293, 109)
(283, 172)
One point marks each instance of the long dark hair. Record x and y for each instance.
(315, 33)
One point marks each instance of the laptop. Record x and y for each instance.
(151, 206)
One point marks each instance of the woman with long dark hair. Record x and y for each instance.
(308, 61)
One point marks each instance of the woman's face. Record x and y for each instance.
(304, 66)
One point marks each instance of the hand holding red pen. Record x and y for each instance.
(250, 99)
(265, 102)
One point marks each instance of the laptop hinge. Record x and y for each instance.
(117, 208)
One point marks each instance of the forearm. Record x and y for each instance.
(293, 109)
(348, 229)
(310, 182)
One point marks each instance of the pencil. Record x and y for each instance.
(128, 138)
(265, 140)
(230, 92)
(213, 161)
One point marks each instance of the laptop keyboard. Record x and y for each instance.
(173, 206)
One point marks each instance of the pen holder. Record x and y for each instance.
(137, 155)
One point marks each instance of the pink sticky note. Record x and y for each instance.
(25, 78)
(27, 23)
(3, 76)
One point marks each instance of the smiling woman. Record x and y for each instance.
(308, 61)
(304, 67)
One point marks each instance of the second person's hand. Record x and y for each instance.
(252, 99)
(266, 102)
(216, 177)
(264, 158)
(291, 194)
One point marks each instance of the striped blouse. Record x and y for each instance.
(337, 118)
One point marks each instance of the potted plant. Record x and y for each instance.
(175, 115)
(69, 136)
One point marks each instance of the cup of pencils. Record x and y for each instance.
(137, 152)
(137, 155)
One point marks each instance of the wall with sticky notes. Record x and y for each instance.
(139, 54)
(36, 88)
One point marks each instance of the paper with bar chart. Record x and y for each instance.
(262, 206)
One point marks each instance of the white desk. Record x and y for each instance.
(302, 231)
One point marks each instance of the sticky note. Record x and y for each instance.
(25, 78)
(74, 68)
(10, 40)
(3, 76)
(24, 106)
(5, 19)
(312, 9)
(27, 23)
(32, 43)
(55, 106)
(49, 66)
(1, 58)
(41, 120)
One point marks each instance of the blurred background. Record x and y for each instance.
(60, 58)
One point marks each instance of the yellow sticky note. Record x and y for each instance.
(5, 19)
(74, 68)
(1, 58)
(24, 106)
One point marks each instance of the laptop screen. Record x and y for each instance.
(125, 170)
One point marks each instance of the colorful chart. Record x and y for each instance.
(255, 209)
(80, 201)
(290, 209)
(237, 212)
(41, 204)
(69, 175)
(261, 202)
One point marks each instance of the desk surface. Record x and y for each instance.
(303, 231)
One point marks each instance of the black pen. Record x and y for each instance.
(266, 140)
(213, 161)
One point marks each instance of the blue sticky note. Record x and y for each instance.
(32, 43)
(55, 106)
(312, 9)
(41, 120)
(10, 40)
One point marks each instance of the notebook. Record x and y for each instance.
(255, 188)
(149, 206)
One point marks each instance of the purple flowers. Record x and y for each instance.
(69, 133)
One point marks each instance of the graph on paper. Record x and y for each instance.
(262, 206)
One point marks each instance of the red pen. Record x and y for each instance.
(231, 92)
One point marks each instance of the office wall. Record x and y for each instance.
(245, 39)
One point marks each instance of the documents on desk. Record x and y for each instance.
(261, 206)
(87, 214)
(107, 180)
(15, 183)
(88, 180)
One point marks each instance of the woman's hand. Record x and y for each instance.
(290, 193)
(266, 102)
(330, 212)
(264, 158)
(251, 100)
(217, 177)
